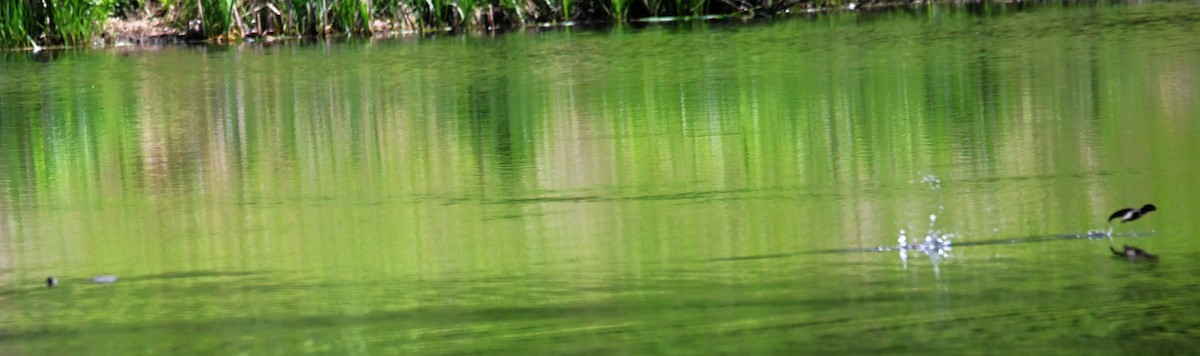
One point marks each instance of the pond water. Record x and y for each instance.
(677, 188)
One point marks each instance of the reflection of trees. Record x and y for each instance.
(853, 112)
(490, 124)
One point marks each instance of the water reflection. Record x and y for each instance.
(654, 184)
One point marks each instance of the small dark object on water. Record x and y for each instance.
(1131, 214)
(1133, 253)
(52, 282)
(195, 31)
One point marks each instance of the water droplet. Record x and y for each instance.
(932, 181)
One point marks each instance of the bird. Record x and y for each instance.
(1131, 214)
(52, 282)
(1133, 253)
(1127, 215)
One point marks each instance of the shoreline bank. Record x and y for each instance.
(177, 24)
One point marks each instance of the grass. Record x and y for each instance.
(654, 7)
(13, 31)
(618, 10)
(304, 17)
(437, 12)
(352, 16)
(466, 10)
(71, 22)
(688, 7)
(515, 8)
(218, 16)
(74, 22)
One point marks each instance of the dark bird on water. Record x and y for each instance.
(1126, 215)
(1133, 253)
(1131, 214)
(52, 282)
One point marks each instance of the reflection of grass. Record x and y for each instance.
(770, 151)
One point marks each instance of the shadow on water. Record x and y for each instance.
(699, 196)
(195, 274)
(1004, 241)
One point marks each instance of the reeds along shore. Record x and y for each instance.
(33, 23)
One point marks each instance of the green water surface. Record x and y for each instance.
(687, 188)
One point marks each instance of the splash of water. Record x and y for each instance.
(932, 181)
(936, 244)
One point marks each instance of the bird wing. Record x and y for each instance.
(1119, 213)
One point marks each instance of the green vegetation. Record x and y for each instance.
(51, 21)
(12, 29)
(600, 192)
(76, 22)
